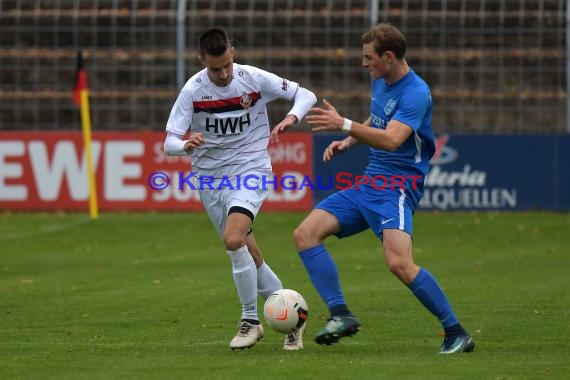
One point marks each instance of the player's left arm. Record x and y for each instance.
(303, 101)
(275, 87)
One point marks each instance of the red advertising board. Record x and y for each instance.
(48, 171)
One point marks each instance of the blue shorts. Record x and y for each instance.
(358, 210)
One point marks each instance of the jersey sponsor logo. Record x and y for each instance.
(378, 122)
(227, 126)
(390, 105)
(226, 105)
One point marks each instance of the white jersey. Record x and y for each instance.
(233, 119)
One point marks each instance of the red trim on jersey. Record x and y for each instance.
(210, 105)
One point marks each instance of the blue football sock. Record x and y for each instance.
(430, 294)
(324, 275)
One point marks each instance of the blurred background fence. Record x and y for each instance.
(494, 66)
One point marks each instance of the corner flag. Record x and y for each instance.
(81, 99)
(80, 80)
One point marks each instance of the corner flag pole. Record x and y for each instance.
(81, 99)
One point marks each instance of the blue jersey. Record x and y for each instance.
(408, 101)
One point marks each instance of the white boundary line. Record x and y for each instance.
(44, 230)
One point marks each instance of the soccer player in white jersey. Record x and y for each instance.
(401, 142)
(223, 108)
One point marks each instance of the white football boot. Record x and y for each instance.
(246, 336)
(294, 341)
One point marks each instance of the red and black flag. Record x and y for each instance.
(81, 100)
(80, 80)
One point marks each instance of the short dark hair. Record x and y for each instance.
(386, 37)
(214, 41)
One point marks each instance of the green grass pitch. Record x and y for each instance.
(150, 296)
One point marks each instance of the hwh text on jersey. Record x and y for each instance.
(227, 126)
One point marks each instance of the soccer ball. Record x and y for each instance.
(285, 311)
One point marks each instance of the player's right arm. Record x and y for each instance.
(179, 122)
(175, 145)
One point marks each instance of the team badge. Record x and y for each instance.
(389, 107)
(245, 101)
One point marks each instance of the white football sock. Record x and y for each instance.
(267, 281)
(245, 278)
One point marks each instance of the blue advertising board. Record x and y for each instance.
(562, 178)
(478, 172)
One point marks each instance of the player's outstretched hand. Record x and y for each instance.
(194, 141)
(289, 121)
(335, 148)
(325, 118)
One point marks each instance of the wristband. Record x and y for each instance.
(347, 125)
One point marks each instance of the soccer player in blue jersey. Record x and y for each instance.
(401, 142)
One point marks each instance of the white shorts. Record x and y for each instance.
(219, 200)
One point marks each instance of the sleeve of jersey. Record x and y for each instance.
(304, 100)
(274, 87)
(174, 145)
(412, 108)
(180, 119)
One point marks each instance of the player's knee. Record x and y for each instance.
(396, 265)
(302, 238)
(233, 242)
(401, 267)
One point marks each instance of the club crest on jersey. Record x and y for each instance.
(389, 107)
(245, 101)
